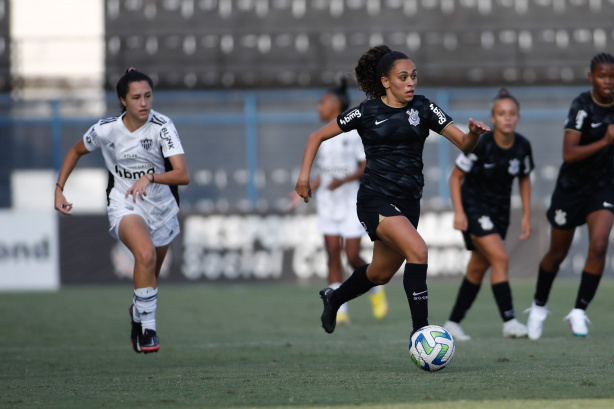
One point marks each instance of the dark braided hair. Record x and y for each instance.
(504, 94)
(374, 64)
(601, 58)
(341, 93)
(123, 85)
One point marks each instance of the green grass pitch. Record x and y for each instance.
(261, 346)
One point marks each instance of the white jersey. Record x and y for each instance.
(130, 155)
(338, 157)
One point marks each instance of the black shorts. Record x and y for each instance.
(482, 222)
(569, 209)
(373, 208)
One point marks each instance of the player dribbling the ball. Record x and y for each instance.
(393, 124)
(145, 159)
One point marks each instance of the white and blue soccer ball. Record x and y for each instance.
(431, 348)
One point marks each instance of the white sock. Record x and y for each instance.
(344, 307)
(145, 303)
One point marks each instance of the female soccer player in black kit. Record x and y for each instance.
(393, 124)
(584, 193)
(482, 211)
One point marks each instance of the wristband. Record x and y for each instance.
(61, 188)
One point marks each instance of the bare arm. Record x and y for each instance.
(524, 185)
(460, 218)
(330, 130)
(465, 141)
(179, 175)
(574, 152)
(70, 161)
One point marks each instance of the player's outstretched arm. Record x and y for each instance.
(303, 187)
(70, 161)
(466, 142)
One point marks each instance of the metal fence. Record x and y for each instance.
(244, 147)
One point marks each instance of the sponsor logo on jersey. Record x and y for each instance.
(580, 118)
(439, 113)
(112, 145)
(157, 120)
(514, 167)
(379, 122)
(146, 143)
(395, 208)
(597, 125)
(414, 117)
(486, 223)
(489, 165)
(130, 156)
(355, 113)
(606, 204)
(560, 217)
(166, 138)
(126, 174)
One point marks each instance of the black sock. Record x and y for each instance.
(465, 298)
(588, 288)
(414, 283)
(503, 297)
(356, 285)
(544, 284)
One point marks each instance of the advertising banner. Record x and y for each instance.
(28, 250)
(280, 247)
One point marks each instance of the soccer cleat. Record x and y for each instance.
(535, 323)
(514, 329)
(149, 341)
(378, 303)
(577, 320)
(135, 333)
(329, 315)
(342, 318)
(456, 331)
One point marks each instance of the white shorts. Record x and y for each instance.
(348, 227)
(161, 236)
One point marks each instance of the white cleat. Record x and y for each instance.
(577, 320)
(535, 323)
(514, 329)
(456, 331)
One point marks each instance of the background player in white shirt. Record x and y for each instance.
(341, 162)
(144, 156)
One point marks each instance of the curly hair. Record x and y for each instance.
(372, 65)
(504, 94)
(601, 58)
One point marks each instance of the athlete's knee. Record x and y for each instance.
(145, 256)
(500, 259)
(598, 247)
(555, 257)
(417, 254)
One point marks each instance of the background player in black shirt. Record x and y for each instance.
(584, 193)
(393, 124)
(482, 211)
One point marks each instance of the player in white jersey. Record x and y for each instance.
(145, 159)
(341, 162)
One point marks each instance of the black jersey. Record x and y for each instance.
(591, 119)
(490, 171)
(394, 140)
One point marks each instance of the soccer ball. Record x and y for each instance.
(431, 348)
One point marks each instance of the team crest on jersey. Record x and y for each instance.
(514, 166)
(146, 143)
(414, 118)
(560, 217)
(486, 223)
